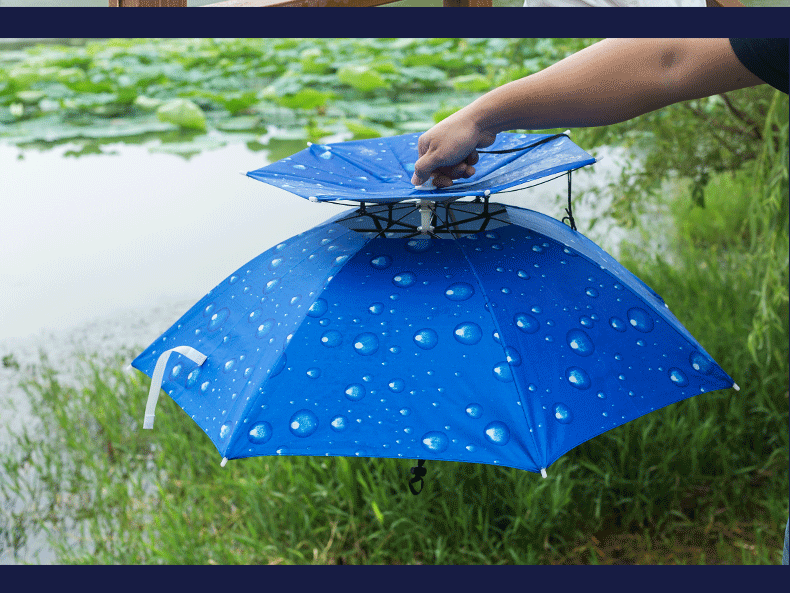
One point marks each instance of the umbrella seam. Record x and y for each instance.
(639, 288)
(248, 406)
(674, 401)
(540, 453)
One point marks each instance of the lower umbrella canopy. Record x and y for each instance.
(508, 341)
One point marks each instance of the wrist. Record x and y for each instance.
(483, 120)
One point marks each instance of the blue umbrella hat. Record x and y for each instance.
(453, 329)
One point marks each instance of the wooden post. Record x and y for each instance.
(718, 3)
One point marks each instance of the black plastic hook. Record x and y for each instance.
(419, 473)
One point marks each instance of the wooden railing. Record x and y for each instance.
(317, 3)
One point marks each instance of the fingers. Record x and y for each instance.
(443, 176)
(422, 171)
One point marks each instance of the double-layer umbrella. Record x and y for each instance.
(426, 324)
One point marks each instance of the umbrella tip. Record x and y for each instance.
(567, 132)
(313, 199)
(309, 144)
(735, 387)
(543, 472)
(598, 159)
(243, 173)
(223, 462)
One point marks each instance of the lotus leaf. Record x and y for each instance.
(182, 112)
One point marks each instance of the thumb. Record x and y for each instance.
(423, 169)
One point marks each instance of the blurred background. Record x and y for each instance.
(123, 205)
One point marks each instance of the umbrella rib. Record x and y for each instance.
(253, 400)
(490, 309)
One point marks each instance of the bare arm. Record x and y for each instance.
(609, 82)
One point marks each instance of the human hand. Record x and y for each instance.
(449, 151)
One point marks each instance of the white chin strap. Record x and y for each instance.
(159, 373)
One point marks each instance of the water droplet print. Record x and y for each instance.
(640, 320)
(271, 285)
(331, 338)
(498, 433)
(366, 344)
(339, 423)
(376, 308)
(217, 319)
(426, 338)
(397, 385)
(513, 356)
(526, 323)
(678, 377)
(192, 378)
(591, 292)
(502, 372)
(468, 333)
(303, 423)
(314, 373)
(435, 441)
(381, 262)
(617, 324)
(580, 343)
(404, 279)
(265, 328)
(355, 392)
(700, 363)
(224, 431)
(260, 433)
(175, 372)
(318, 308)
(578, 377)
(562, 414)
(459, 291)
(474, 410)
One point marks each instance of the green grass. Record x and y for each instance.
(161, 497)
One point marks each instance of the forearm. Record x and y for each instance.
(610, 82)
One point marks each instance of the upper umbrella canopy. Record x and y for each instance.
(380, 170)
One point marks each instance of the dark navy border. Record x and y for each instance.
(415, 22)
